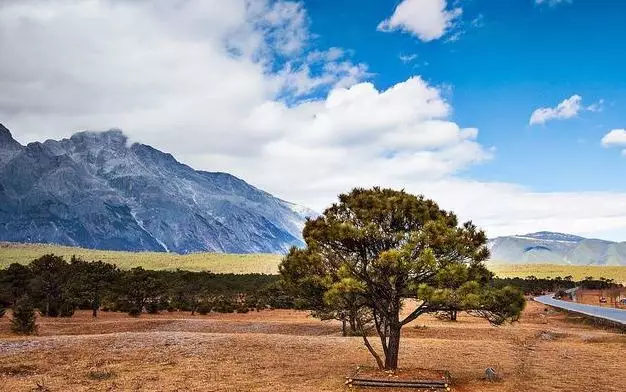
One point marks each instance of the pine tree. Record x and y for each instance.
(23, 321)
(376, 248)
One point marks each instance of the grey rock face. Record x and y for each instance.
(556, 248)
(94, 190)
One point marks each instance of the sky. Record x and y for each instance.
(509, 113)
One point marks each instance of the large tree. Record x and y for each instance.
(380, 247)
(90, 281)
(48, 286)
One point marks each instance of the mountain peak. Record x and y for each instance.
(94, 190)
(6, 139)
(112, 136)
(554, 236)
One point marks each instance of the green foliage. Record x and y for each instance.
(90, 281)
(15, 282)
(50, 274)
(375, 248)
(67, 309)
(58, 288)
(140, 288)
(23, 321)
(152, 308)
(204, 308)
(134, 311)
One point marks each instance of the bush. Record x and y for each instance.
(134, 311)
(23, 321)
(2, 311)
(66, 309)
(204, 308)
(152, 308)
(242, 309)
(224, 305)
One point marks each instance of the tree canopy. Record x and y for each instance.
(376, 248)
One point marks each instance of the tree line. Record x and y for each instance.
(56, 288)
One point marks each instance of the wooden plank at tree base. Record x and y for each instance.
(428, 384)
(398, 385)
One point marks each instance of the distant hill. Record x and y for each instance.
(95, 190)
(556, 248)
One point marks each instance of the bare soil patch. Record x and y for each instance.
(290, 351)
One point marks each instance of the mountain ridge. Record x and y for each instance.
(96, 190)
(556, 248)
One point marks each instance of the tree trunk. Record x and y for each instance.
(95, 305)
(453, 314)
(393, 348)
(343, 327)
(353, 326)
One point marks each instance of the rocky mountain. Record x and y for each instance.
(94, 190)
(556, 248)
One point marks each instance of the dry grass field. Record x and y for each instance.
(214, 262)
(578, 272)
(289, 351)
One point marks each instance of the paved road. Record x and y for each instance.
(612, 314)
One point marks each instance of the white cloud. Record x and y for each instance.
(569, 108)
(407, 58)
(242, 91)
(552, 3)
(615, 138)
(426, 19)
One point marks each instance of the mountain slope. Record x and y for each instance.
(556, 248)
(94, 190)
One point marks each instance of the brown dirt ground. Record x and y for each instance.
(290, 351)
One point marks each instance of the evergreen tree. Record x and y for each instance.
(90, 281)
(50, 274)
(382, 246)
(23, 321)
(15, 282)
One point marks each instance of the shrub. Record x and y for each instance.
(134, 311)
(66, 309)
(152, 308)
(204, 308)
(224, 305)
(23, 321)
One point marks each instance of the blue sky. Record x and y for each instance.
(509, 113)
(516, 57)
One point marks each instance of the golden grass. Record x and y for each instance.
(285, 350)
(578, 272)
(214, 262)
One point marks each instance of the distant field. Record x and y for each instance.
(260, 263)
(579, 272)
(214, 262)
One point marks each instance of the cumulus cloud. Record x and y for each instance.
(615, 138)
(568, 108)
(426, 19)
(245, 91)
